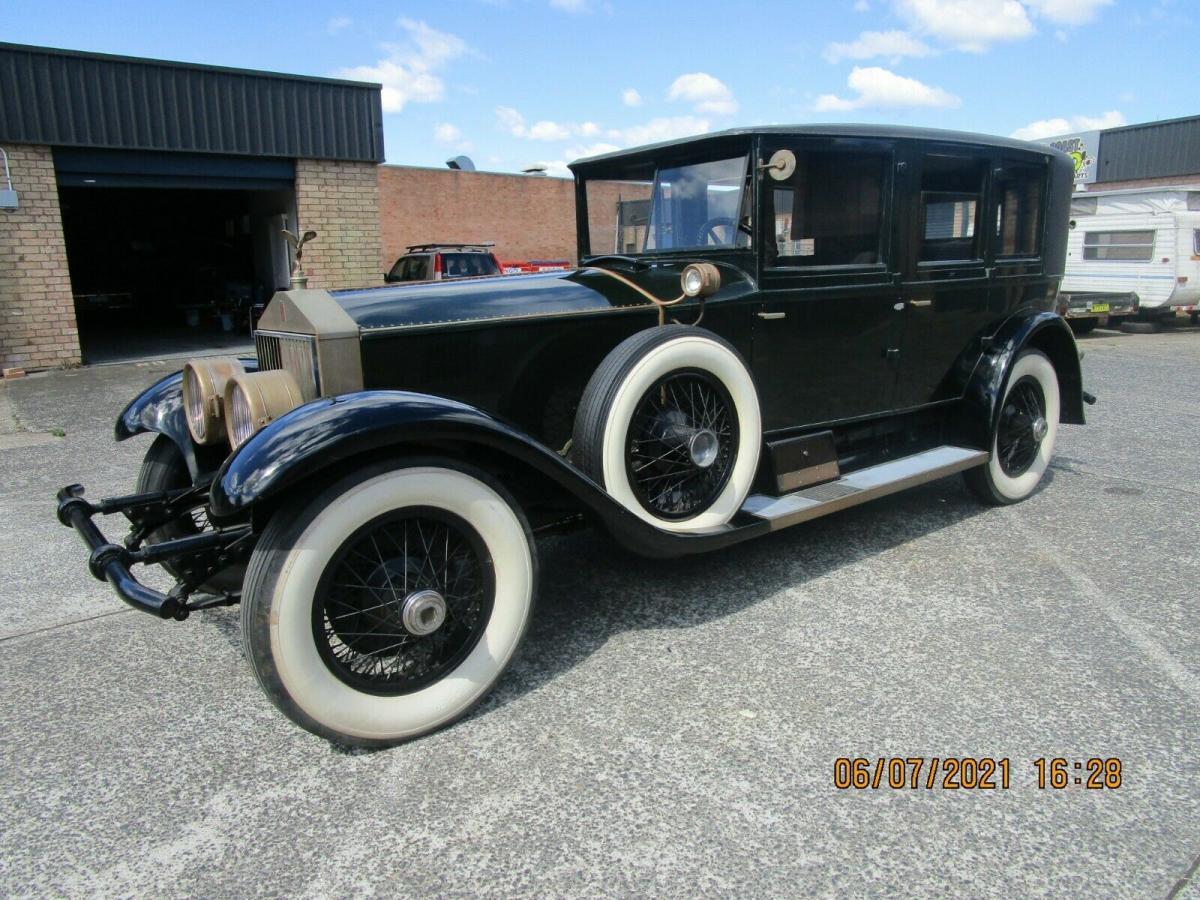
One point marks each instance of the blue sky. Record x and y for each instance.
(519, 82)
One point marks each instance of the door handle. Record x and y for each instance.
(772, 315)
(920, 303)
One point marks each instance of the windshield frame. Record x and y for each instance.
(746, 200)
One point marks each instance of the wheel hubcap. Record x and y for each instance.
(1022, 427)
(681, 445)
(703, 448)
(403, 601)
(423, 612)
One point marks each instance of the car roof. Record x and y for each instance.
(903, 132)
(465, 248)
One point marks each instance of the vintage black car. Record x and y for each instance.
(767, 326)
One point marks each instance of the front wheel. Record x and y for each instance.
(1023, 440)
(389, 604)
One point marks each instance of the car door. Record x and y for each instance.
(946, 280)
(825, 335)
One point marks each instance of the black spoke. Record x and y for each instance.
(358, 610)
(678, 416)
(1018, 438)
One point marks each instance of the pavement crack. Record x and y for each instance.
(56, 626)
(1186, 879)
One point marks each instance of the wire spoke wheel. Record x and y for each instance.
(403, 601)
(1022, 427)
(681, 444)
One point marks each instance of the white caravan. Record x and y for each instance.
(1132, 252)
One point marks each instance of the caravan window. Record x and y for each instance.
(1120, 246)
(1019, 210)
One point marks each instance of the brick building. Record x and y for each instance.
(144, 201)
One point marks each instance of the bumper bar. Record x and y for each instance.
(110, 562)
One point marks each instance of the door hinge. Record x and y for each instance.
(772, 315)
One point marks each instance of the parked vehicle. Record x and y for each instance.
(440, 262)
(1131, 253)
(806, 319)
(528, 266)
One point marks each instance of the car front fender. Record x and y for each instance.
(159, 409)
(328, 433)
(1045, 331)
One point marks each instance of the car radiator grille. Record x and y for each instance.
(294, 353)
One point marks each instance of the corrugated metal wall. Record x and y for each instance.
(69, 99)
(1153, 150)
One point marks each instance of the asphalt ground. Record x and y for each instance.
(669, 728)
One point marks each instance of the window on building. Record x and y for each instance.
(829, 212)
(1121, 246)
(1196, 242)
(1019, 210)
(951, 195)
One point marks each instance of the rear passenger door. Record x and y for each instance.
(826, 332)
(945, 286)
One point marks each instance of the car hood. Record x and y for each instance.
(429, 304)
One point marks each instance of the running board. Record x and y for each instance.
(861, 486)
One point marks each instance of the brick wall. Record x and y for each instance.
(37, 312)
(340, 201)
(526, 216)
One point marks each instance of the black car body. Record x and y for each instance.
(863, 309)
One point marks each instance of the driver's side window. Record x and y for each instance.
(828, 212)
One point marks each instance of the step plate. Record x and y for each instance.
(863, 485)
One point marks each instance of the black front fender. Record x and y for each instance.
(1045, 331)
(159, 409)
(326, 433)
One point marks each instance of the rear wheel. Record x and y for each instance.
(389, 604)
(1023, 441)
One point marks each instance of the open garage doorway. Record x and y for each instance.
(169, 264)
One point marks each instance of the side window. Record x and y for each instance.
(1123, 246)
(1019, 210)
(951, 195)
(397, 273)
(829, 212)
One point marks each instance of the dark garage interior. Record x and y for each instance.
(170, 262)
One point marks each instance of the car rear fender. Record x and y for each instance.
(326, 436)
(1041, 330)
(159, 409)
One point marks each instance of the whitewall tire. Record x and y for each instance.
(670, 426)
(1024, 437)
(389, 604)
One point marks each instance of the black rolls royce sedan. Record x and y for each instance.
(766, 326)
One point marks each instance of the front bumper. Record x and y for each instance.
(202, 553)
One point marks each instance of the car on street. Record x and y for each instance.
(440, 262)
(767, 326)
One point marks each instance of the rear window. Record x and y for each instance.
(1122, 246)
(1019, 211)
(468, 265)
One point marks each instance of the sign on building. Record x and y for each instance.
(1083, 148)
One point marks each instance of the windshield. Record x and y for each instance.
(699, 206)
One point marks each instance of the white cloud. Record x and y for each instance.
(590, 150)
(862, 6)
(408, 74)
(587, 129)
(449, 135)
(1068, 12)
(510, 120)
(571, 6)
(338, 23)
(709, 94)
(878, 88)
(548, 131)
(662, 129)
(870, 44)
(1044, 128)
(971, 25)
(630, 97)
(556, 168)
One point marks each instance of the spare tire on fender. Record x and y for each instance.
(669, 425)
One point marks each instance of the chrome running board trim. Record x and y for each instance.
(863, 485)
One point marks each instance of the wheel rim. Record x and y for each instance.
(681, 444)
(403, 601)
(1022, 427)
